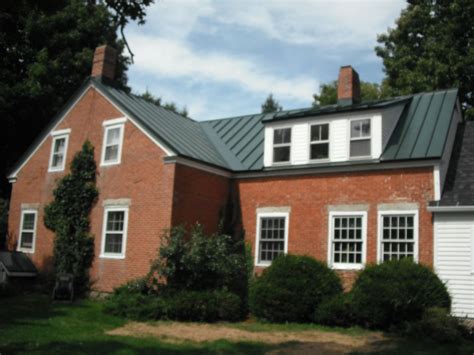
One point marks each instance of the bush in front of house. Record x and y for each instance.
(337, 311)
(387, 295)
(291, 288)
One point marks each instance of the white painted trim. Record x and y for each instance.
(115, 121)
(61, 132)
(108, 128)
(449, 209)
(347, 266)
(260, 215)
(162, 146)
(103, 254)
(401, 212)
(15, 173)
(436, 182)
(56, 136)
(198, 165)
(32, 249)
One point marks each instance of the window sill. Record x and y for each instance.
(263, 264)
(112, 256)
(55, 170)
(28, 251)
(347, 266)
(109, 164)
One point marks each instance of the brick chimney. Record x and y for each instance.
(103, 65)
(348, 88)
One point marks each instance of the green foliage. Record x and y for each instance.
(68, 215)
(368, 92)
(3, 223)
(389, 294)
(271, 105)
(291, 288)
(431, 48)
(437, 324)
(171, 106)
(337, 311)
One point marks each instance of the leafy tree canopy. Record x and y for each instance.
(46, 50)
(368, 92)
(271, 105)
(148, 96)
(431, 48)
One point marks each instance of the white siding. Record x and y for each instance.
(339, 131)
(268, 152)
(454, 259)
(299, 144)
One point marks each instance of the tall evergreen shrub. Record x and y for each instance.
(68, 215)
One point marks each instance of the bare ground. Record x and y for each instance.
(299, 342)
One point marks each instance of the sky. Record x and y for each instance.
(222, 58)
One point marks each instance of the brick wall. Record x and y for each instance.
(141, 177)
(310, 197)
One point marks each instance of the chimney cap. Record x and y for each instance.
(104, 62)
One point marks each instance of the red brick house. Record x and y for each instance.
(349, 184)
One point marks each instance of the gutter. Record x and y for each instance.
(451, 209)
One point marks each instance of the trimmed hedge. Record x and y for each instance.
(395, 292)
(337, 311)
(291, 288)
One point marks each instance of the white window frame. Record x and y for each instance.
(121, 255)
(261, 215)
(33, 243)
(109, 125)
(62, 134)
(416, 230)
(369, 138)
(347, 266)
(280, 145)
(328, 141)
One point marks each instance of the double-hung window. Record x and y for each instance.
(360, 138)
(113, 141)
(114, 238)
(272, 237)
(282, 145)
(319, 145)
(57, 160)
(28, 231)
(398, 235)
(347, 240)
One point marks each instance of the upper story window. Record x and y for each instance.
(114, 235)
(57, 160)
(272, 236)
(319, 144)
(26, 242)
(360, 138)
(113, 141)
(398, 235)
(281, 145)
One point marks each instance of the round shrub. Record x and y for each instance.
(335, 312)
(291, 288)
(388, 294)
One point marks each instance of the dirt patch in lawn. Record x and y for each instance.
(304, 342)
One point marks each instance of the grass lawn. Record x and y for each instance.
(34, 325)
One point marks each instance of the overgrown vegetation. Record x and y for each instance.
(196, 277)
(291, 288)
(3, 223)
(68, 216)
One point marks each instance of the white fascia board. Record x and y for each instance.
(448, 209)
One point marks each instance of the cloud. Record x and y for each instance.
(170, 58)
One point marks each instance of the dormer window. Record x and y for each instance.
(360, 138)
(281, 145)
(319, 145)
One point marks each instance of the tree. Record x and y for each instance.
(368, 92)
(431, 48)
(46, 50)
(68, 216)
(271, 105)
(171, 106)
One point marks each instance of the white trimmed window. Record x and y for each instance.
(28, 223)
(360, 138)
(57, 160)
(398, 235)
(347, 239)
(114, 234)
(272, 237)
(113, 141)
(281, 145)
(319, 144)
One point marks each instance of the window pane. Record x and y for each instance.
(111, 153)
(281, 136)
(28, 221)
(398, 236)
(281, 154)
(115, 221)
(113, 243)
(365, 128)
(26, 240)
(57, 160)
(320, 132)
(360, 148)
(319, 151)
(113, 136)
(355, 129)
(347, 229)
